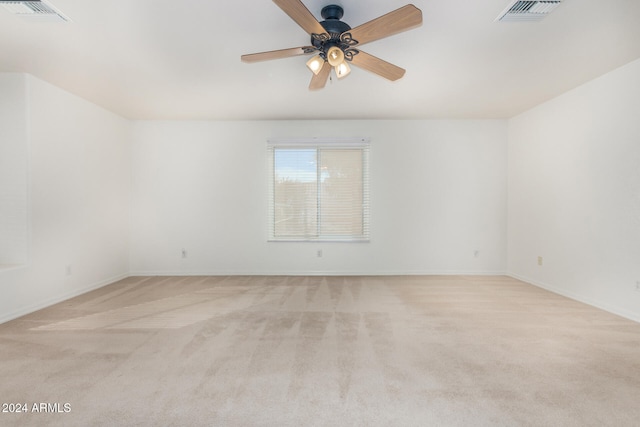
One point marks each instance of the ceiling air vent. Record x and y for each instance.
(523, 11)
(37, 10)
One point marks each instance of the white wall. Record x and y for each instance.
(13, 170)
(438, 191)
(79, 184)
(573, 196)
(574, 193)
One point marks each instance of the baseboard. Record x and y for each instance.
(319, 273)
(57, 299)
(598, 304)
(51, 301)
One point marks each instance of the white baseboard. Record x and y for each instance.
(598, 304)
(51, 301)
(22, 311)
(59, 298)
(318, 273)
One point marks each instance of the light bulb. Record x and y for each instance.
(315, 64)
(342, 70)
(335, 56)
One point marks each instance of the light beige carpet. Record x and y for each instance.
(327, 351)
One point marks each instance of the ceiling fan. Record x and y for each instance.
(336, 44)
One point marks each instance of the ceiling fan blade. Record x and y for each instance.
(378, 66)
(299, 13)
(318, 81)
(277, 54)
(395, 22)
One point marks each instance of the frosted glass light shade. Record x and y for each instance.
(342, 70)
(315, 64)
(335, 56)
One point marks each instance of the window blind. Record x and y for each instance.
(319, 190)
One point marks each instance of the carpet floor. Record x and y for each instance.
(325, 351)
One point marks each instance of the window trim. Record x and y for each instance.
(319, 143)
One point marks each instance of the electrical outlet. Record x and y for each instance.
(539, 260)
(68, 270)
(476, 254)
(319, 253)
(184, 253)
(638, 285)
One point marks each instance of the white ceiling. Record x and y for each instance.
(150, 59)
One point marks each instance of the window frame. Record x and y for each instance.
(359, 143)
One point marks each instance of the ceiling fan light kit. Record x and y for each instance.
(335, 44)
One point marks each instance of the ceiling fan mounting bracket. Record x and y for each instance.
(332, 11)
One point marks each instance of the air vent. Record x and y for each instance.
(37, 10)
(523, 11)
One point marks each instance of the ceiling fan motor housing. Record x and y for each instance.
(334, 27)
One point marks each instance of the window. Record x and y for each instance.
(319, 190)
